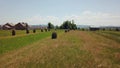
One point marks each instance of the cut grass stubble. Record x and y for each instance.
(7, 44)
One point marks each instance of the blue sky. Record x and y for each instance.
(84, 12)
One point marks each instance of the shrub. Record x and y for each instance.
(110, 29)
(116, 29)
(34, 30)
(13, 33)
(103, 29)
(83, 29)
(27, 31)
(54, 35)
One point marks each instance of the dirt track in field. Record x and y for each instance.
(43, 51)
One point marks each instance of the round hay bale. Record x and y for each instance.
(66, 31)
(34, 30)
(54, 35)
(13, 33)
(45, 30)
(41, 30)
(27, 31)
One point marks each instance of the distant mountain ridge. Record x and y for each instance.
(87, 26)
(83, 26)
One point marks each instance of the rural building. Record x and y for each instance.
(21, 26)
(8, 26)
(94, 28)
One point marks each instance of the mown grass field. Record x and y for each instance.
(8, 42)
(75, 49)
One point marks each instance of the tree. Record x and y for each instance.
(65, 25)
(73, 25)
(68, 25)
(50, 25)
(57, 27)
(27, 26)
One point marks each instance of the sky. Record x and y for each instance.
(83, 12)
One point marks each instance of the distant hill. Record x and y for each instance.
(87, 26)
(37, 26)
(83, 26)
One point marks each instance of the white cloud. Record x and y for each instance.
(87, 13)
(86, 18)
(96, 18)
(43, 20)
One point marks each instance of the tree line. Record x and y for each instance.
(65, 25)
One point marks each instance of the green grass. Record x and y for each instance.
(6, 33)
(114, 35)
(17, 42)
(14, 42)
(75, 49)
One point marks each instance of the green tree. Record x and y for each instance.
(56, 27)
(73, 25)
(65, 25)
(68, 25)
(50, 25)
